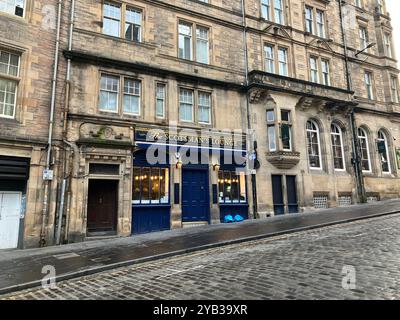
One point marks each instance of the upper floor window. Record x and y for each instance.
(110, 98)
(160, 100)
(271, 130)
(337, 147)
(388, 45)
(9, 72)
(204, 107)
(15, 7)
(190, 111)
(394, 88)
(271, 64)
(363, 38)
(368, 85)
(379, 6)
(133, 24)
(272, 10)
(315, 21)
(383, 152)
(286, 130)
(364, 148)
(319, 71)
(112, 14)
(188, 40)
(358, 3)
(313, 145)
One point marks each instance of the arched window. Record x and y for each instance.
(313, 145)
(364, 146)
(383, 152)
(337, 147)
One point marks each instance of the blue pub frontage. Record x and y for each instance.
(185, 177)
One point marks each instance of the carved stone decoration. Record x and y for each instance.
(256, 95)
(283, 159)
(90, 133)
(304, 103)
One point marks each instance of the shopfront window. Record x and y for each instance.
(232, 187)
(150, 185)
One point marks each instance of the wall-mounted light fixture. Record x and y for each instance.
(178, 161)
(216, 167)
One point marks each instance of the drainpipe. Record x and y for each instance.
(355, 143)
(45, 210)
(254, 146)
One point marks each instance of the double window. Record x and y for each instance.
(115, 16)
(150, 185)
(315, 21)
(193, 46)
(232, 187)
(9, 73)
(272, 10)
(15, 7)
(111, 97)
(319, 71)
(285, 131)
(313, 145)
(188, 106)
(275, 65)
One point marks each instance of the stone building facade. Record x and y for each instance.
(288, 82)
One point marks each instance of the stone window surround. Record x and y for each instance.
(373, 87)
(319, 60)
(123, 6)
(120, 94)
(272, 12)
(196, 91)
(276, 46)
(195, 23)
(165, 84)
(314, 9)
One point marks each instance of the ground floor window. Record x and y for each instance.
(232, 187)
(150, 185)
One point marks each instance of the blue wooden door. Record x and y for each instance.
(279, 206)
(292, 194)
(195, 196)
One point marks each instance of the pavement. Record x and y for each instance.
(22, 269)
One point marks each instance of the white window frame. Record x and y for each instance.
(115, 5)
(394, 86)
(338, 133)
(269, 61)
(184, 102)
(164, 86)
(14, 78)
(139, 96)
(364, 136)
(133, 9)
(115, 92)
(285, 62)
(368, 81)
(383, 137)
(275, 14)
(363, 37)
(317, 131)
(8, 11)
(203, 106)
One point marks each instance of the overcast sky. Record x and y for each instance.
(393, 6)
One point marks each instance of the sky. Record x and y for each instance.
(393, 6)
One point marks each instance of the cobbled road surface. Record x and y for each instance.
(306, 265)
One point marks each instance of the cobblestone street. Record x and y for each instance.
(306, 265)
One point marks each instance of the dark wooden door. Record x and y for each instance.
(102, 206)
(279, 205)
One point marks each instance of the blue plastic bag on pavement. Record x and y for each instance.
(238, 218)
(228, 218)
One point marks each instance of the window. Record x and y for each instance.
(363, 38)
(150, 185)
(269, 59)
(186, 43)
(232, 187)
(383, 152)
(286, 130)
(9, 71)
(358, 3)
(131, 100)
(394, 88)
(282, 59)
(160, 100)
(15, 7)
(272, 10)
(313, 145)
(337, 147)
(364, 148)
(314, 73)
(186, 105)
(388, 45)
(320, 24)
(309, 19)
(271, 130)
(112, 19)
(368, 85)
(109, 91)
(204, 108)
(202, 45)
(311, 15)
(379, 6)
(133, 24)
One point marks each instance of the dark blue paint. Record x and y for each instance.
(195, 195)
(150, 218)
